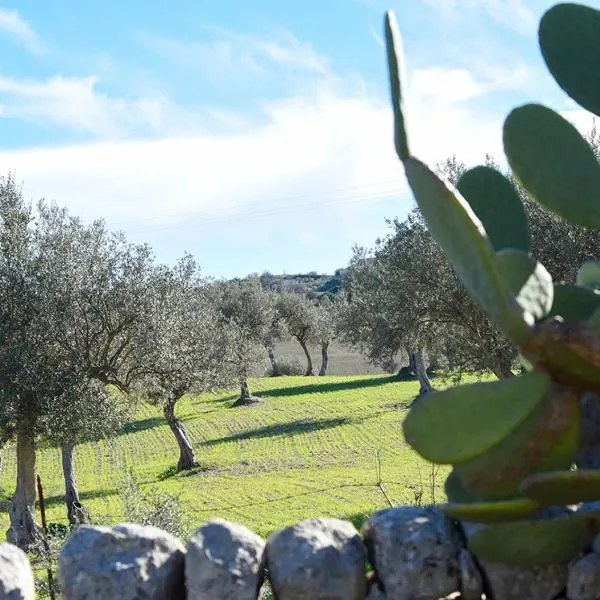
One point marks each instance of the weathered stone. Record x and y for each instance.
(588, 455)
(125, 562)
(584, 578)
(317, 559)
(224, 560)
(471, 580)
(16, 577)
(508, 582)
(415, 553)
(596, 545)
(375, 593)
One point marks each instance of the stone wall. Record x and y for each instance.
(412, 553)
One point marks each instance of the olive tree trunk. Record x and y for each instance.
(24, 530)
(187, 456)
(76, 512)
(244, 390)
(274, 366)
(502, 369)
(309, 365)
(324, 358)
(424, 382)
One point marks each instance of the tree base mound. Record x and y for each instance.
(249, 401)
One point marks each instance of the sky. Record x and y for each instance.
(255, 135)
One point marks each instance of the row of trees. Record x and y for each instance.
(404, 298)
(90, 322)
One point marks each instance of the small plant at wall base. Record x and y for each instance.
(513, 443)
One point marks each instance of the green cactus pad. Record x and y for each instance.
(534, 543)
(554, 163)
(436, 426)
(496, 203)
(570, 351)
(589, 274)
(594, 321)
(493, 512)
(574, 303)
(529, 280)
(569, 38)
(456, 491)
(396, 70)
(461, 235)
(563, 487)
(546, 441)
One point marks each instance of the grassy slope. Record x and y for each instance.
(309, 451)
(342, 360)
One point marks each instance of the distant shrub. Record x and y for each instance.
(288, 366)
(157, 508)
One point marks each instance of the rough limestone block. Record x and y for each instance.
(584, 578)
(125, 562)
(375, 593)
(224, 561)
(16, 577)
(507, 582)
(471, 580)
(415, 553)
(317, 559)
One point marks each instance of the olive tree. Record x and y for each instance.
(103, 294)
(72, 304)
(185, 350)
(248, 315)
(300, 317)
(326, 316)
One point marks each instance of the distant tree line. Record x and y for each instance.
(403, 298)
(91, 324)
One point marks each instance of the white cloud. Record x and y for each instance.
(232, 54)
(301, 149)
(13, 24)
(516, 14)
(77, 104)
(316, 151)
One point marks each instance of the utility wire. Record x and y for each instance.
(262, 210)
(255, 204)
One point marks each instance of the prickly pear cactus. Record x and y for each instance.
(512, 443)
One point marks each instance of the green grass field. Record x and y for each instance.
(342, 360)
(309, 451)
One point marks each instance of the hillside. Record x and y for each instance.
(310, 284)
(309, 451)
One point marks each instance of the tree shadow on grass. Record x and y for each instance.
(142, 425)
(316, 388)
(91, 495)
(152, 422)
(292, 428)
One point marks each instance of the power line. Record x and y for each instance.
(265, 211)
(185, 214)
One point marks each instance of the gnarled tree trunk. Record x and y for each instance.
(274, 366)
(76, 512)
(24, 530)
(424, 382)
(309, 365)
(187, 456)
(324, 358)
(244, 390)
(502, 369)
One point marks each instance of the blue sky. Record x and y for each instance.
(256, 135)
